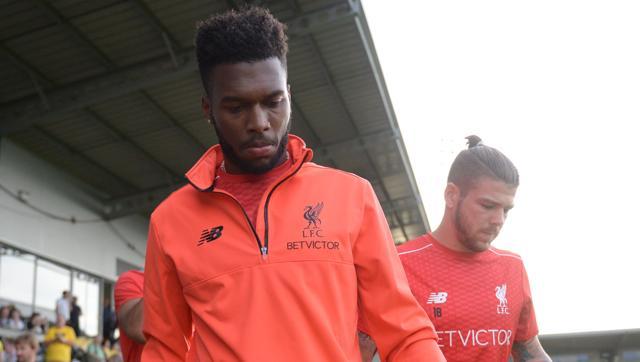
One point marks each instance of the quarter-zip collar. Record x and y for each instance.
(202, 175)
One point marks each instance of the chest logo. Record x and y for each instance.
(437, 298)
(313, 237)
(209, 235)
(501, 294)
(312, 216)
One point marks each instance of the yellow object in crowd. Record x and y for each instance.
(58, 351)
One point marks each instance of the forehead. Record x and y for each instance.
(248, 79)
(494, 190)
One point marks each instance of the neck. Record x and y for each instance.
(447, 234)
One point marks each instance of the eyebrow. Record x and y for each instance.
(486, 199)
(241, 99)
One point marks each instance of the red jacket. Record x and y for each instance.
(289, 289)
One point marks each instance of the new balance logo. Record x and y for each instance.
(437, 298)
(209, 235)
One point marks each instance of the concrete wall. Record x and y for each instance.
(92, 247)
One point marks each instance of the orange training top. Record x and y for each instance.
(288, 289)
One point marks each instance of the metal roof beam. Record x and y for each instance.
(169, 41)
(76, 16)
(172, 176)
(413, 218)
(155, 23)
(306, 23)
(340, 100)
(403, 203)
(34, 74)
(137, 203)
(315, 138)
(173, 122)
(148, 199)
(22, 64)
(71, 29)
(75, 153)
(369, 48)
(20, 115)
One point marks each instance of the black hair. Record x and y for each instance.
(246, 35)
(481, 161)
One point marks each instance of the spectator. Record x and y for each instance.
(15, 320)
(27, 347)
(95, 352)
(5, 312)
(76, 312)
(9, 354)
(109, 321)
(37, 324)
(110, 352)
(63, 306)
(59, 341)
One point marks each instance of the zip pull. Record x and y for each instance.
(263, 252)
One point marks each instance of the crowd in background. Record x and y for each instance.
(36, 339)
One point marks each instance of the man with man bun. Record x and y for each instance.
(477, 296)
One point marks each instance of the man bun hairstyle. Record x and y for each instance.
(249, 34)
(479, 161)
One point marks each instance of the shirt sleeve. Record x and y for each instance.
(388, 311)
(167, 317)
(129, 286)
(527, 325)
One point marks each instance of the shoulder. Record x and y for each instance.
(131, 277)
(130, 285)
(505, 256)
(313, 169)
(175, 198)
(414, 247)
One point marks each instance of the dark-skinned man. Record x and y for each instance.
(266, 256)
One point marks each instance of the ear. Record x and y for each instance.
(206, 108)
(451, 195)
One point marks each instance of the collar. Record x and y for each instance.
(203, 174)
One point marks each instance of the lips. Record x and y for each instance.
(259, 149)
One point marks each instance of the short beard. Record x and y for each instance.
(462, 230)
(247, 167)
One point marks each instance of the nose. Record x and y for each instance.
(258, 120)
(498, 217)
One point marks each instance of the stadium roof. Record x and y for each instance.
(108, 91)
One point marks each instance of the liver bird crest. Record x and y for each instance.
(312, 215)
(501, 294)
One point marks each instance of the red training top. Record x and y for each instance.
(480, 303)
(249, 188)
(129, 286)
(284, 289)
